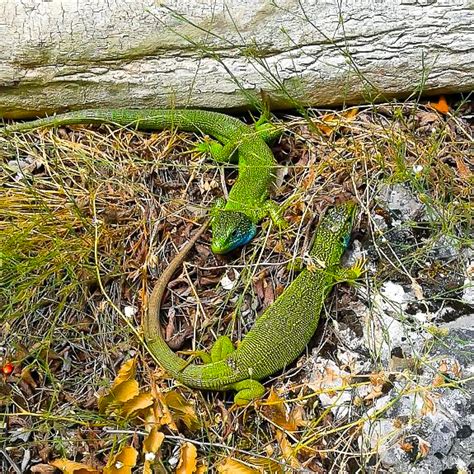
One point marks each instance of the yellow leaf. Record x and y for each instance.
(350, 115)
(72, 467)
(287, 450)
(139, 402)
(330, 122)
(159, 414)
(125, 391)
(327, 119)
(275, 410)
(187, 461)
(126, 372)
(122, 462)
(182, 410)
(232, 466)
(264, 465)
(147, 469)
(119, 394)
(152, 442)
(428, 405)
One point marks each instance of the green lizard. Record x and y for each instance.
(279, 335)
(234, 222)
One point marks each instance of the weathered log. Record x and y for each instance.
(66, 54)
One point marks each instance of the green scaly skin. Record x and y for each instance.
(234, 222)
(279, 335)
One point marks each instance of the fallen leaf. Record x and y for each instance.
(309, 179)
(274, 409)
(269, 295)
(287, 450)
(406, 446)
(327, 124)
(187, 461)
(426, 118)
(159, 414)
(331, 122)
(126, 372)
(377, 381)
(119, 394)
(423, 448)
(181, 410)
(441, 106)
(151, 445)
(147, 469)
(42, 469)
(233, 466)
(137, 403)
(428, 405)
(72, 467)
(122, 462)
(463, 169)
(153, 441)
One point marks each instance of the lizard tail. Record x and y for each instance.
(155, 342)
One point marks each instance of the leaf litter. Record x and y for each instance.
(64, 341)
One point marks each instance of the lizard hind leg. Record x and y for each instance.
(275, 212)
(219, 351)
(219, 153)
(247, 390)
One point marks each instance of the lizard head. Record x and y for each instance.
(230, 229)
(334, 232)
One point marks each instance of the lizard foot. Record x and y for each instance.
(219, 153)
(219, 351)
(247, 390)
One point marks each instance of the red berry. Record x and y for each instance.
(7, 369)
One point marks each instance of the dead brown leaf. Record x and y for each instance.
(28, 378)
(159, 414)
(331, 122)
(269, 296)
(423, 448)
(377, 381)
(151, 445)
(428, 405)
(463, 169)
(42, 469)
(406, 446)
(119, 394)
(427, 118)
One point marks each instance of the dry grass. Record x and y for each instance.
(91, 216)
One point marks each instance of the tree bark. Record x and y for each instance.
(69, 54)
